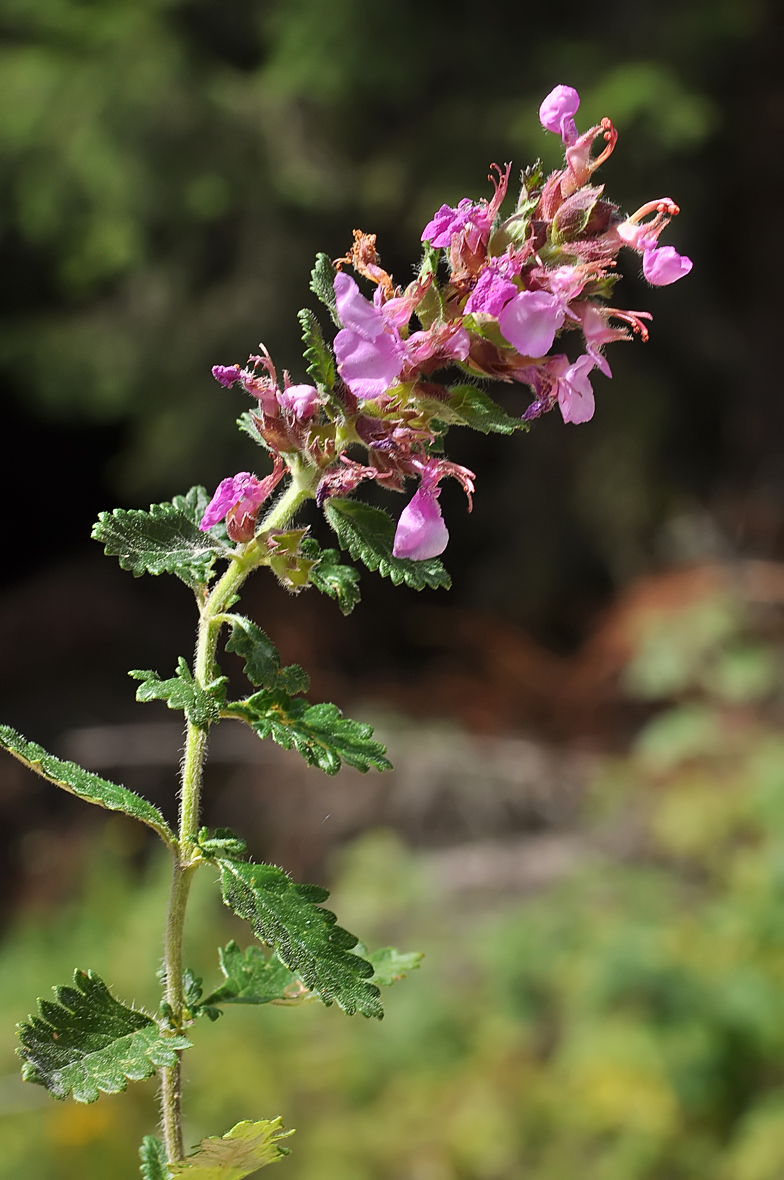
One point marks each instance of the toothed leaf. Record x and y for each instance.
(320, 733)
(321, 365)
(78, 781)
(89, 1042)
(368, 534)
(165, 540)
(242, 1150)
(152, 1154)
(322, 284)
(262, 659)
(289, 919)
(201, 706)
(331, 576)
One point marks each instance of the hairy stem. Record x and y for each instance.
(185, 857)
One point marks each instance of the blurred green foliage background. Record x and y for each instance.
(626, 1023)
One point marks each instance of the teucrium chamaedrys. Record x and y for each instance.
(507, 292)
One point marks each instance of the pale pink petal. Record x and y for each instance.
(575, 394)
(421, 532)
(665, 265)
(530, 321)
(355, 311)
(368, 367)
(301, 400)
(557, 112)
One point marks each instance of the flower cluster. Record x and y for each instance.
(497, 297)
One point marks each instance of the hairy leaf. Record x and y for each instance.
(473, 407)
(320, 733)
(78, 781)
(331, 576)
(242, 1150)
(89, 1042)
(255, 978)
(201, 706)
(165, 540)
(368, 534)
(224, 842)
(321, 365)
(322, 284)
(262, 659)
(288, 918)
(152, 1154)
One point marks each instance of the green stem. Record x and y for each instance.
(184, 855)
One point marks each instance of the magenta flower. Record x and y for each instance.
(557, 112)
(664, 265)
(226, 375)
(574, 392)
(449, 221)
(368, 349)
(530, 321)
(300, 400)
(491, 293)
(421, 532)
(241, 489)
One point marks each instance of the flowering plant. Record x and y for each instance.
(495, 291)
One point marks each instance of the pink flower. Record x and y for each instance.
(557, 112)
(530, 321)
(421, 532)
(241, 489)
(368, 349)
(300, 400)
(664, 265)
(574, 392)
(442, 340)
(448, 221)
(239, 499)
(491, 293)
(226, 375)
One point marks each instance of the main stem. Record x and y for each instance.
(185, 856)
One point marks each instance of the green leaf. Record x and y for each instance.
(262, 659)
(255, 978)
(288, 918)
(201, 706)
(321, 364)
(368, 534)
(81, 782)
(242, 1150)
(389, 964)
(320, 733)
(165, 540)
(331, 576)
(322, 284)
(472, 407)
(154, 1165)
(224, 842)
(89, 1042)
